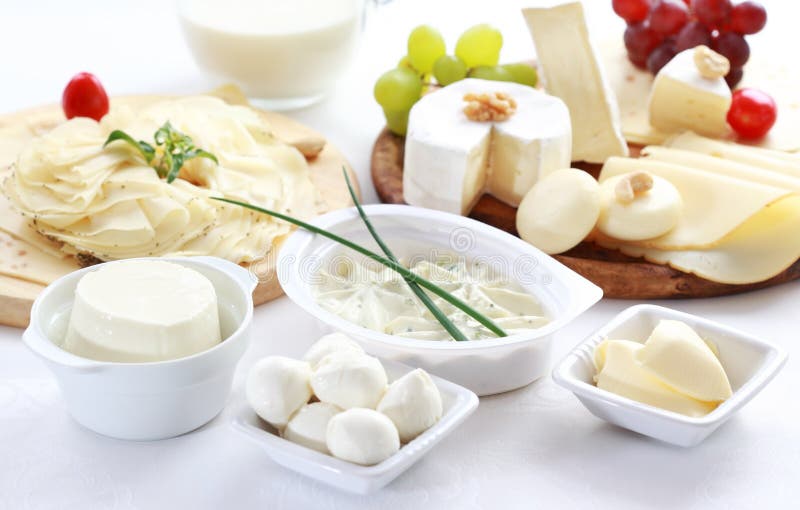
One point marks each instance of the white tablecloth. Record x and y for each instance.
(532, 448)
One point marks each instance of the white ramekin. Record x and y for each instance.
(484, 366)
(147, 401)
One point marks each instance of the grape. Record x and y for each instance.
(712, 13)
(660, 56)
(522, 73)
(398, 89)
(397, 120)
(640, 41)
(669, 16)
(632, 11)
(733, 47)
(480, 46)
(494, 73)
(449, 69)
(734, 76)
(748, 18)
(425, 45)
(405, 63)
(693, 34)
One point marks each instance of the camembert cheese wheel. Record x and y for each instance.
(450, 160)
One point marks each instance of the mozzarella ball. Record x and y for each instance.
(309, 425)
(650, 214)
(276, 387)
(362, 436)
(413, 403)
(559, 211)
(348, 379)
(328, 344)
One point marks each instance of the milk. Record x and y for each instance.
(289, 52)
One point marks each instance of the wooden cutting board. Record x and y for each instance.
(17, 295)
(620, 276)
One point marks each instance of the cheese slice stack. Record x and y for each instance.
(450, 160)
(571, 70)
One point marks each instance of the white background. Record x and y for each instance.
(532, 448)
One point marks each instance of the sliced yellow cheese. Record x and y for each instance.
(713, 204)
(762, 247)
(676, 354)
(19, 259)
(774, 161)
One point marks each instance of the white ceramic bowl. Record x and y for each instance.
(145, 401)
(485, 366)
(749, 362)
(457, 403)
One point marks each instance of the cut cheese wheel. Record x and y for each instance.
(762, 247)
(713, 204)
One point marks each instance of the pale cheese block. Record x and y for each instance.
(142, 311)
(572, 71)
(762, 247)
(713, 204)
(683, 99)
(450, 160)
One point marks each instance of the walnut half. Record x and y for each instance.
(489, 107)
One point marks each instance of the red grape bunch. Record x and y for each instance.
(659, 29)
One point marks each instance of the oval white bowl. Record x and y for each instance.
(484, 366)
(146, 401)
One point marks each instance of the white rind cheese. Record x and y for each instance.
(683, 99)
(450, 161)
(143, 310)
(571, 71)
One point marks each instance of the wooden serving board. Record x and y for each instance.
(17, 295)
(620, 276)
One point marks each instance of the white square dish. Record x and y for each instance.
(458, 403)
(749, 362)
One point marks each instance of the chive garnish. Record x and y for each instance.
(446, 323)
(395, 266)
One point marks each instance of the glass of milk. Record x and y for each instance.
(284, 54)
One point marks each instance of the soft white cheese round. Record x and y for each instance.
(363, 436)
(559, 211)
(276, 387)
(333, 342)
(413, 403)
(651, 214)
(309, 425)
(142, 311)
(348, 379)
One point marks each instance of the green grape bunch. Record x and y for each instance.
(477, 55)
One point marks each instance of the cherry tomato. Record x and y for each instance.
(752, 113)
(84, 96)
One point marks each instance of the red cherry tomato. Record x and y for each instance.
(752, 113)
(84, 96)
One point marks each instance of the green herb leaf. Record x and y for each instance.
(147, 151)
(437, 312)
(395, 266)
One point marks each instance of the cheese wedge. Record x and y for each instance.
(714, 204)
(450, 160)
(572, 71)
(682, 99)
(676, 354)
(766, 159)
(623, 375)
(762, 247)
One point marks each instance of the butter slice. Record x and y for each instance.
(682, 99)
(572, 71)
(141, 311)
(623, 375)
(677, 355)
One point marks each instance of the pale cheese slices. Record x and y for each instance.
(450, 160)
(572, 71)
